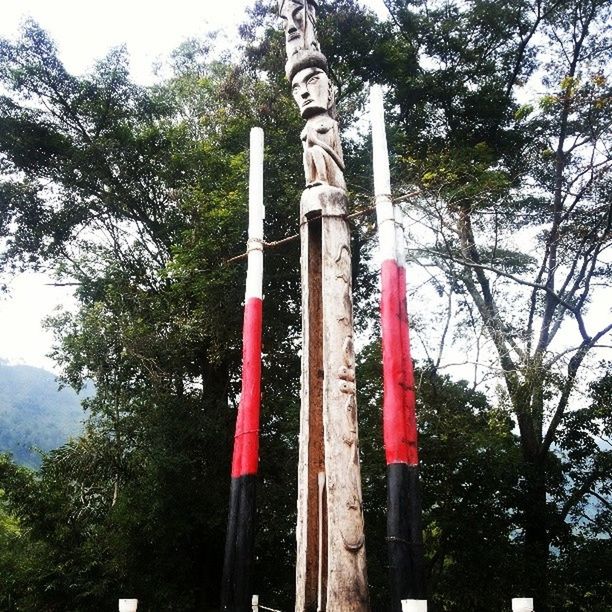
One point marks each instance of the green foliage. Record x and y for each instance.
(495, 169)
(468, 467)
(139, 195)
(148, 202)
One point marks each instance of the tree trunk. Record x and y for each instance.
(536, 534)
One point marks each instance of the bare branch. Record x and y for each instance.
(516, 279)
(579, 492)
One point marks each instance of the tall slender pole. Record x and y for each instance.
(404, 533)
(331, 564)
(238, 563)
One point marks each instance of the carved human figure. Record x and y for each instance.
(323, 160)
(300, 25)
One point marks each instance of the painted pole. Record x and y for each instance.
(128, 605)
(238, 563)
(404, 532)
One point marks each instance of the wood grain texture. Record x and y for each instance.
(329, 412)
(311, 456)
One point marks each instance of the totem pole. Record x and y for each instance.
(331, 564)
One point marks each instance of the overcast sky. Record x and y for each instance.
(84, 32)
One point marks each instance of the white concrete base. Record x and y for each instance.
(522, 604)
(128, 605)
(414, 605)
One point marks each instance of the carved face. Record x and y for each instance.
(311, 91)
(299, 24)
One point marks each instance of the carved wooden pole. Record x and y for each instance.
(404, 534)
(331, 565)
(236, 588)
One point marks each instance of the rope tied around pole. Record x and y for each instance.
(262, 244)
(254, 244)
(244, 433)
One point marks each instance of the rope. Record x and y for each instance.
(244, 433)
(255, 244)
(355, 215)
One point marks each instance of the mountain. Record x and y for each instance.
(34, 414)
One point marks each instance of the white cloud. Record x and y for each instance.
(85, 31)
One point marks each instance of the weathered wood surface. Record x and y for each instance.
(311, 454)
(329, 413)
(334, 578)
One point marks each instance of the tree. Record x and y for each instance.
(495, 175)
(15, 546)
(138, 196)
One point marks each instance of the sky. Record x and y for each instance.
(83, 33)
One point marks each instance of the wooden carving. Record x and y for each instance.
(300, 25)
(330, 567)
(323, 160)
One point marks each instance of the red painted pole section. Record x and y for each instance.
(394, 418)
(246, 442)
(408, 389)
(399, 414)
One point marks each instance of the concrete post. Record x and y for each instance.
(128, 605)
(414, 605)
(522, 604)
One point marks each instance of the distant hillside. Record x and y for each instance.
(34, 414)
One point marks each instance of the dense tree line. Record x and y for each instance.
(499, 115)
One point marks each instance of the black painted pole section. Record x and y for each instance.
(237, 586)
(404, 534)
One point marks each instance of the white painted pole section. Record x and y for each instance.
(414, 605)
(128, 605)
(255, 603)
(254, 279)
(380, 155)
(382, 178)
(522, 604)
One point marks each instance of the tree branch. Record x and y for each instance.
(572, 369)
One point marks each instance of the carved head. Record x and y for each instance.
(299, 19)
(312, 91)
